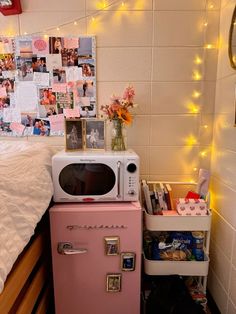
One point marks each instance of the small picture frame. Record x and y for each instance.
(73, 134)
(128, 261)
(94, 134)
(113, 282)
(112, 245)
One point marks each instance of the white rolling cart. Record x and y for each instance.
(175, 222)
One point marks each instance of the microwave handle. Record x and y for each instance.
(118, 179)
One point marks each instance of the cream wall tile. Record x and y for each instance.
(225, 95)
(212, 29)
(142, 94)
(179, 4)
(206, 129)
(211, 58)
(176, 64)
(224, 132)
(208, 97)
(234, 250)
(129, 5)
(173, 28)
(217, 291)
(123, 64)
(222, 232)
(232, 290)
(52, 5)
(174, 130)
(143, 153)
(173, 160)
(224, 167)
(179, 100)
(133, 28)
(220, 264)
(138, 132)
(231, 308)
(48, 20)
(173, 178)
(9, 25)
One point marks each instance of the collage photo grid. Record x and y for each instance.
(43, 80)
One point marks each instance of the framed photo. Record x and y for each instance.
(73, 134)
(95, 134)
(128, 261)
(113, 282)
(112, 245)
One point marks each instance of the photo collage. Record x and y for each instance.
(44, 80)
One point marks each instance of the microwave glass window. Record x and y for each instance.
(87, 179)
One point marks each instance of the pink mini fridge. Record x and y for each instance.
(96, 256)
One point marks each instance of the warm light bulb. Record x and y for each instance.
(203, 154)
(195, 169)
(197, 76)
(75, 23)
(211, 6)
(45, 36)
(197, 60)
(93, 19)
(122, 4)
(191, 140)
(58, 28)
(25, 33)
(196, 94)
(193, 108)
(209, 46)
(205, 24)
(205, 126)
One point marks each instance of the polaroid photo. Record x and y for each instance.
(113, 282)
(112, 245)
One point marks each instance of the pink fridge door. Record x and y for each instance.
(84, 272)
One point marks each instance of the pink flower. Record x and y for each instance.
(129, 94)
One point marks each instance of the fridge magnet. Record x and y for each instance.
(127, 261)
(113, 282)
(111, 245)
(73, 134)
(95, 134)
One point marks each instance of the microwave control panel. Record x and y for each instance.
(132, 181)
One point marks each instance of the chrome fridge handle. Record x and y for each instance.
(66, 248)
(118, 179)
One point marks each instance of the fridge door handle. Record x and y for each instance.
(66, 248)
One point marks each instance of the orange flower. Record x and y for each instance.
(124, 116)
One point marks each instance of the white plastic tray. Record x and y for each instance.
(172, 221)
(183, 268)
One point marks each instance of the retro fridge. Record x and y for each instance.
(96, 256)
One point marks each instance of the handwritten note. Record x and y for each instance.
(59, 88)
(71, 113)
(17, 127)
(73, 74)
(57, 122)
(26, 97)
(41, 78)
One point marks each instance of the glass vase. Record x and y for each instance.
(118, 141)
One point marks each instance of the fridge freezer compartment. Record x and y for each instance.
(171, 220)
(183, 268)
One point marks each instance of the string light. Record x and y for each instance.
(209, 46)
(197, 75)
(203, 154)
(58, 28)
(75, 23)
(196, 94)
(197, 60)
(195, 169)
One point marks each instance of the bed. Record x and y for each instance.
(26, 191)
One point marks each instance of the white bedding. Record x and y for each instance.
(25, 193)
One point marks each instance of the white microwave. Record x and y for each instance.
(95, 176)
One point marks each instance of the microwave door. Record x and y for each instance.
(92, 180)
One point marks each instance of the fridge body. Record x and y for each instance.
(96, 256)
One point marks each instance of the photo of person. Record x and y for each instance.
(73, 134)
(95, 134)
(4, 102)
(59, 75)
(85, 88)
(7, 62)
(64, 101)
(51, 110)
(24, 67)
(47, 96)
(113, 282)
(39, 64)
(111, 245)
(69, 57)
(41, 127)
(85, 48)
(88, 68)
(8, 84)
(28, 119)
(55, 45)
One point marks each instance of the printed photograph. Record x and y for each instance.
(24, 47)
(59, 75)
(28, 119)
(128, 261)
(85, 50)
(111, 245)
(8, 84)
(69, 57)
(113, 282)
(47, 96)
(7, 62)
(85, 88)
(95, 134)
(41, 127)
(24, 67)
(4, 102)
(73, 134)
(64, 101)
(88, 68)
(39, 64)
(55, 45)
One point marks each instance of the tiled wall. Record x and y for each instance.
(158, 46)
(222, 278)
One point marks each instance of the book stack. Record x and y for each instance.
(157, 199)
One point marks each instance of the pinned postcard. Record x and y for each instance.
(59, 87)
(40, 46)
(17, 127)
(71, 113)
(56, 122)
(26, 96)
(41, 78)
(73, 74)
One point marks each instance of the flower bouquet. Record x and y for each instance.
(118, 113)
